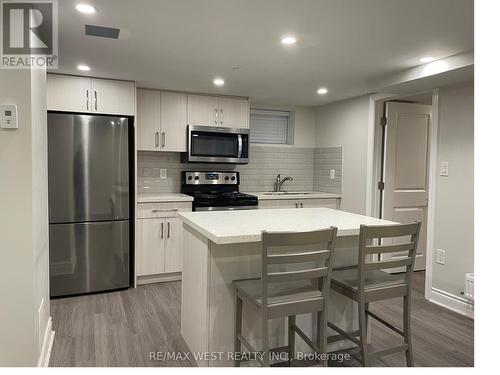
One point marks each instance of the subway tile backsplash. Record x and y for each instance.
(326, 159)
(307, 166)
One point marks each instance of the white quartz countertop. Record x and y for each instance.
(223, 227)
(299, 195)
(166, 197)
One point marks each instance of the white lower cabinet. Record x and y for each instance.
(159, 242)
(151, 247)
(302, 203)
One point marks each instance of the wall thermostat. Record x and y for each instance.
(8, 116)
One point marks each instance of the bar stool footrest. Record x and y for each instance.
(347, 335)
(385, 323)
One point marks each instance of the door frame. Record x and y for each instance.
(375, 112)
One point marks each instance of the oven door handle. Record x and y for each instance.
(240, 145)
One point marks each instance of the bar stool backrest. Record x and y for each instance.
(308, 242)
(398, 245)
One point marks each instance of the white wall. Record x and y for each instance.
(23, 221)
(454, 214)
(345, 124)
(304, 123)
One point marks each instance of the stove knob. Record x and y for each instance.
(226, 178)
(190, 178)
(233, 178)
(196, 178)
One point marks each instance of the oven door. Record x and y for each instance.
(208, 144)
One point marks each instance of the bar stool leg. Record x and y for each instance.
(237, 328)
(291, 339)
(367, 317)
(322, 321)
(407, 330)
(265, 341)
(362, 332)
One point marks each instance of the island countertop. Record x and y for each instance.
(223, 227)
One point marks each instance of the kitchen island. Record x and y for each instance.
(223, 246)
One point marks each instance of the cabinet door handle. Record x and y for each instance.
(296, 205)
(165, 209)
(95, 96)
(216, 116)
(221, 116)
(87, 91)
(157, 139)
(168, 229)
(162, 139)
(301, 205)
(161, 234)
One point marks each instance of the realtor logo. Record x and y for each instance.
(29, 34)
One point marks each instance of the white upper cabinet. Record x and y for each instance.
(113, 97)
(234, 113)
(91, 95)
(173, 121)
(218, 111)
(161, 120)
(203, 110)
(148, 120)
(68, 93)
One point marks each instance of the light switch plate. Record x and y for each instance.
(332, 174)
(163, 174)
(8, 116)
(443, 170)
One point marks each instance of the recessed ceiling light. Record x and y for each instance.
(85, 68)
(427, 59)
(322, 90)
(288, 40)
(85, 8)
(218, 82)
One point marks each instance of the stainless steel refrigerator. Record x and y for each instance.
(89, 214)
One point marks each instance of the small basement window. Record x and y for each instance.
(271, 126)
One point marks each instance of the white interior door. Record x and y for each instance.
(406, 169)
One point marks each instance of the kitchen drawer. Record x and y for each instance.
(162, 209)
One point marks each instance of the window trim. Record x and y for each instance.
(290, 134)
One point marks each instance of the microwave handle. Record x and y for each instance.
(240, 145)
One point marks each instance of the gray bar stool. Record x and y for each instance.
(289, 286)
(366, 282)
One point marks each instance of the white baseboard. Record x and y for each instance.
(451, 302)
(48, 340)
(161, 278)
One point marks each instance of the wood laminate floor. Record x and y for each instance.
(123, 328)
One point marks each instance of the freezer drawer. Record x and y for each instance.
(88, 257)
(88, 165)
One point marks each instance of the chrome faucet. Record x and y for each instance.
(279, 182)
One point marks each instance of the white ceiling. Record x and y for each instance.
(342, 44)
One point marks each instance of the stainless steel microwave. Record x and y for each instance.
(212, 144)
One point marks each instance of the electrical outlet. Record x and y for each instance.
(332, 174)
(163, 174)
(440, 258)
(443, 171)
